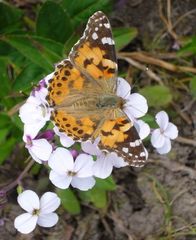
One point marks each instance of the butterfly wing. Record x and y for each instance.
(92, 69)
(65, 90)
(94, 54)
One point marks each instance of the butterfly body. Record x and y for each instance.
(82, 94)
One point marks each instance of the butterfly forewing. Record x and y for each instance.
(94, 54)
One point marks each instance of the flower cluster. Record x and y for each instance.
(69, 166)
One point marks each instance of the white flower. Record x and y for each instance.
(39, 149)
(34, 114)
(41, 91)
(65, 140)
(142, 128)
(135, 104)
(105, 161)
(39, 212)
(160, 138)
(66, 171)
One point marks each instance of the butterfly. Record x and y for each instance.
(82, 95)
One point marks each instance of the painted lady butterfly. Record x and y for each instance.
(82, 94)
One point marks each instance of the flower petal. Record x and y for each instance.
(157, 138)
(136, 105)
(83, 184)
(165, 148)
(83, 165)
(142, 128)
(162, 119)
(41, 148)
(28, 200)
(103, 166)
(48, 220)
(65, 140)
(171, 131)
(25, 223)
(49, 202)
(61, 161)
(60, 181)
(33, 129)
(123, 88)
(90, 148)
(118, 162)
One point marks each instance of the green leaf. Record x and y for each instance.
(53, 22)
(6, 149)
(157, 96)
(106, 184)
(69, 201)
(193, 86)
(96, 196)
(4, 133)
(4, 120)
(31, 49)
(9, 18)
(30, 74)
(5, 82)
(150, 120)
(189, 47)
(123, 36)
(80, 11)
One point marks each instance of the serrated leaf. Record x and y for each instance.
(31, 49)
(69, 201)
(123, 36)
(157, 96)
(53, 22)
(193, 86)
(9, 18)
(30, 74)
(80, 11)
(106, 184)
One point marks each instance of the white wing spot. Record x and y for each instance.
(100, 24)
(125, 150)
(94, 36)
(142, 154)
(132, 144)
(96, 29)
(107, 40)
(137, 142)
(107, 25)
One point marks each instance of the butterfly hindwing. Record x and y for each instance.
(120, 135)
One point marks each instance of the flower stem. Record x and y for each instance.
(19, 178)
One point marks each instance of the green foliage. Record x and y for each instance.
(123, 36)
(69, 201)
(10, 18)
(98, 195)
(79, 11)
(57, 27)
(157, 96)
(189, 47)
